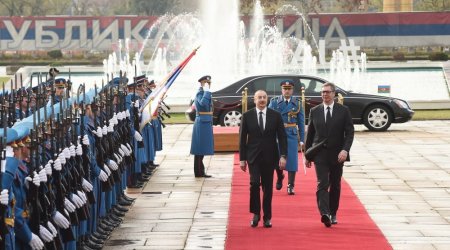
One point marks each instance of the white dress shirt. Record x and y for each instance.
(325, 110)
(263, 115)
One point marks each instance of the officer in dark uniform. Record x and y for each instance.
(202, 134)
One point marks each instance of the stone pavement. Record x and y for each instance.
(402, 177)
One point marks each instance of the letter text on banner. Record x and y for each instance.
(71, 26)
(45, 38)
(17, 37)
(99, 36)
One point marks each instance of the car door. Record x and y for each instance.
(312, 86)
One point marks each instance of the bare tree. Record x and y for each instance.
(432, 5)
(13, 7)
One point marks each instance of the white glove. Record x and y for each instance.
(45, 234)
(79, 150)
(137, 136)
(114, 119)
(76, 200)
(111, 127)
(9, 151)
(104, 130)
(35, 243)
(99, 132)
(86, 185)
(66, 152)
(4, 197)
(206, 87)
(52, 229)
(72, 150)
(103, 176)
(118, 158)
(85, 140)
(69, 205)
(82, 196)
(112, 165)
(127, 113)
(43, 176)
(124, 149)
(121, 152)
(36, 179)
(136, 104)
(60, 220)
(119, 116)
(57, 165)
(62, 158)
(128, 146)
(48, 167)
(106, 168)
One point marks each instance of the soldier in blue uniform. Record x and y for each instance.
(292, 113)
(202, 134)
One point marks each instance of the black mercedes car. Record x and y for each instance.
(375, 112)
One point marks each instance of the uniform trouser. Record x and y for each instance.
(291, 176)
(261, 174)
(199, 168)
(328, 176)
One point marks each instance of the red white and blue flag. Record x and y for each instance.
(153, 101)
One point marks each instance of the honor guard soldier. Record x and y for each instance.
(202, 134)
(292, 113)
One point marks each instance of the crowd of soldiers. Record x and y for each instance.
(66, 160)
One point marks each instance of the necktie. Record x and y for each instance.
(286, 102)
(261, 122)
(328, 119)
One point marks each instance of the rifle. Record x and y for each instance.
(3, 228)
(11, 107)
(85, 160)
(66, 234)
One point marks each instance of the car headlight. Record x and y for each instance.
(401, 103)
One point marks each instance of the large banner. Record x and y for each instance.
(368, 30)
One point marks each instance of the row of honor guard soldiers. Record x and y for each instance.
(66, 161)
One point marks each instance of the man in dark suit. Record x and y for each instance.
(330, 122)
(259, 131)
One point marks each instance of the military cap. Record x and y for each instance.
(287, 84)
(11, 135)
(140, 79)
(60, 83)
(204, 78)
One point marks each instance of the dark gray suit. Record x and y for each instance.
(260, 150)
(338, 133)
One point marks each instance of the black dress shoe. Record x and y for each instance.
(99, 236)
(153, 164)
(326, 220)
(96, 241)
(279, 184)
(137, 185)
(121, 208)
(290, 189)
(333, 219)
(128, 198)
(124, 202)
(204, 176)
(255, 220)
(93, 245)
(117, 213)
(267, 223)
(102, 232)
(105, 227)
(114, 218)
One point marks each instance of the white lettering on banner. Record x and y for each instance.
(134, 32)
(98, 37)
(17, 37)
(351, 48)
(296, 29)
(45, 39)
(335, 26)
(322, 52)
(69, 27)
(315, 27)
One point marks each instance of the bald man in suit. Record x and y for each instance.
(260, 129)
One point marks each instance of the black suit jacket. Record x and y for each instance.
(253, 143)
(339, 132)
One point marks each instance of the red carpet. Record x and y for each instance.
(296, 220)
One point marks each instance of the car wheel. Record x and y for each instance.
(231, 118)
(377, 118)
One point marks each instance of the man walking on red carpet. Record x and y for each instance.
(328, 141)
(259, 131)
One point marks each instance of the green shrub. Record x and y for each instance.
(438, 56)
(55, 54)
(398, 56)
